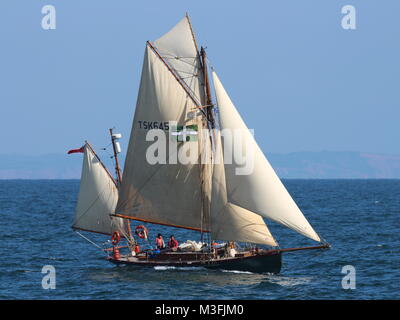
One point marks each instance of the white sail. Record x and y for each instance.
(261, 192)
(163, 193)
(229, 221)
(97, 199)
(179, 49)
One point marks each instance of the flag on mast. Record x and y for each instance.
(82, 149)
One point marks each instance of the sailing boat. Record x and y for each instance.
(175, 117)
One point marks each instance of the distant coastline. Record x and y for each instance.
(295, 165)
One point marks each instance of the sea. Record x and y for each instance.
(358, 218)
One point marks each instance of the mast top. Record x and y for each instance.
(116, 149)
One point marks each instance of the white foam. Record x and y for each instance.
(289, 281)
(237, 271)
(163, 268)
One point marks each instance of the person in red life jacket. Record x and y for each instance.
(172, 243)
(160, 242)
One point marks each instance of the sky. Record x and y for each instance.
(300, 80)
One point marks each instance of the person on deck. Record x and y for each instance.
(160, 242)
(172, 243)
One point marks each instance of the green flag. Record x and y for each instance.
(185, 133)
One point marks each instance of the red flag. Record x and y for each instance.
(77, 150)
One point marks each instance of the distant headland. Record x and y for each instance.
(295, 165)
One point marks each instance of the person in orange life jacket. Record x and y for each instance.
(160, 242)
(172, 243)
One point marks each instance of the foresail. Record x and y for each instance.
(261, 191)
(164, 191)
(97, 198)
(229, 221)
(239, 224)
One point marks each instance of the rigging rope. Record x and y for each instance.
(90, 241)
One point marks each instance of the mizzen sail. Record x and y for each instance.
(262, 191)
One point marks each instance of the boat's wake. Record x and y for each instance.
(285, 281)
(237, 271)
(163, 268)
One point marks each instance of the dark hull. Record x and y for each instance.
(255, 264)
(270, 262)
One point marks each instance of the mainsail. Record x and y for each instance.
(262, 191)
(168, 192)
(97, 199)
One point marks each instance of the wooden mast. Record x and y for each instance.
(117, 168)
(119, 179)
(207, 112)
(207, 168)
(209, 104)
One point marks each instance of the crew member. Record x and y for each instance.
(172, 243)
(160, 242)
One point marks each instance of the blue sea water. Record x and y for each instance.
(359, 218)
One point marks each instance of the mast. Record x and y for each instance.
(117, 149)
(207, 169)
(209, 104)
(206, 108)
(117, 167)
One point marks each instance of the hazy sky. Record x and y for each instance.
(296, 76)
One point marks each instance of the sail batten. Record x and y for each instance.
(261, 191)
